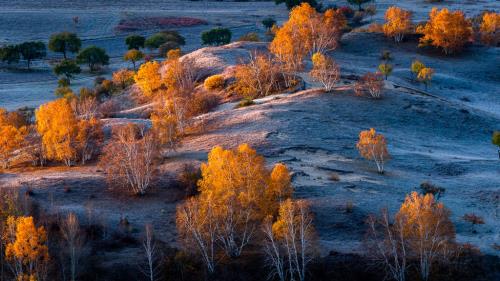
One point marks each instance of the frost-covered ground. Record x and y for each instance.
(441, 136)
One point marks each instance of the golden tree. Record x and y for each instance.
(325, 71)
(239, 192)
(88, 139)
(397, 23)
(427, 227)
(148, 78)
(490, 28)
(291, 240)
(256, 78)
(26, 248)
(415, 67)
(133, 56)
(165, 126)
(447, 30)
(425, 76)
(373, 146)
(306, 32)
(214, 82)
(58, 126)
(11, 139)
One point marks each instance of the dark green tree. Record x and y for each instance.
(268, 23)
(93, 56)
(292, 3)
(155, 41)
(68, 68)
(9, 54)
(217, 36)
(358, 2)
(32, 51)
(135, 42)
(65, 42)
(174, 36)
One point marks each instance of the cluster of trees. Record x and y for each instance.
(217, 36)
(28, 51)
(448, 30)
(242, 203)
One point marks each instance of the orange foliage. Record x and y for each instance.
(148, 78)
(447, 30)
(490, 28)
(26, 247)
(12, 135)
(256, 78)
(325, 71)
(373, 146)
(306, 31)
(123, 78)
(165, 126)
(425, 75)
(398, 23)
(214, 82)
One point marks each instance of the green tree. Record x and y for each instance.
(217, 36)
(68, 68)
(174, 36)
(385, 69)
(155, 41)
(268, 23)
(93, 56)
(135, 42)
(65, 42)
(292, 3)
(358, 2)
(166, 47)
(133, 56)
(9, 54)
(32, 51)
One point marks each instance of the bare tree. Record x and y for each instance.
(70, 230)
(257, 77)
(197, 228)
(388, 245)
(275, 258)
(129, 159)
(373, 83)
(152, 268)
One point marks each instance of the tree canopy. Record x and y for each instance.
(93, 56)
(135, 42)
(65, 42)
(217, 36)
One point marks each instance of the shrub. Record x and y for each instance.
(123, 78)
(429, 188)
(217, 36)
(268, 23)
(214, 82)
(490, 28)
(245, 102)
(373, 83)
(250, 37)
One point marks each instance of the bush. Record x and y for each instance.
(217, 36)
(250, 37)
(214, 82)
(347, 11)
(63, 82)
(188, 179)
(167, 47)
(268, 23)
(202, 103)
(429, 188)
(245, 102)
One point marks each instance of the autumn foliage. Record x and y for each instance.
(447, 30)
(325, 71)
(237, 192)
(13, 132)
(214, 82)
(258, 77)
(306, 32)
(490, 28)
(148, 78)
(370, 83)
(373, 146)
(398, 23)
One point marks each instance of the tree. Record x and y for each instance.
(13, 133)
(217, 36)
(129, 159)
(64, 42)
(358, 2)
(150, 249)
(71, 233)
(160, 38)
(447, 30)
(397, 23)
(256, 78)
(165, 126)
(135, 42)
(148, 78)
(155, 41)
(133, 56)
(93, 56)
(428, 229)
(9, 54)
(58, 126)
(89, 138)
(26, 248)
(123, 78)
(166, 47)
(495, 139)
(325, 71)
(385, 69)
(425, 76)
(68, 68)
(291, 240)
(373, 146)
(373, 83)
(306, 32)
(32, 51)
(415, 68)
(292, 3)
(268, 23)
(490, 28)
